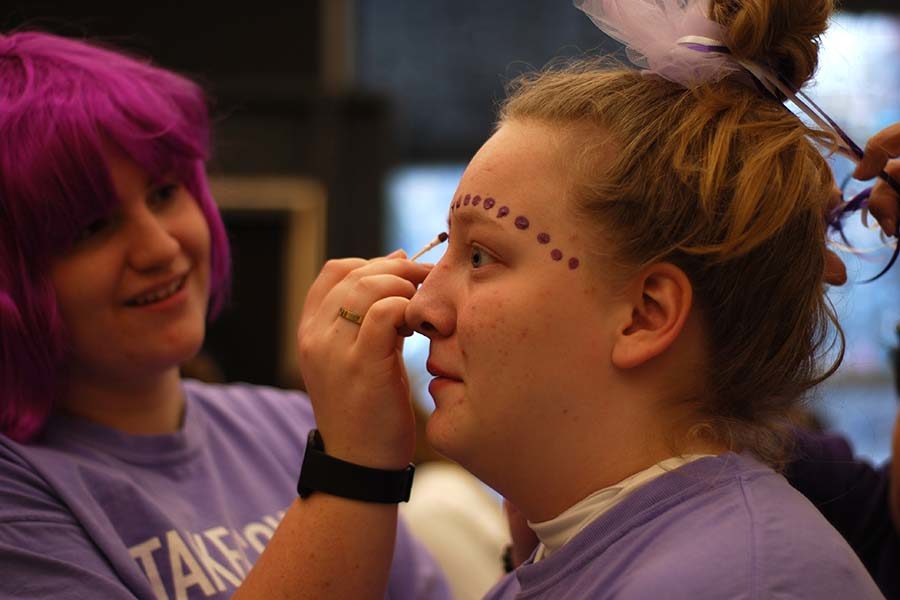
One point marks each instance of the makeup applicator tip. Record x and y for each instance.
(440, 239)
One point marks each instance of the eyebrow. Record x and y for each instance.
(472, 217)
(169, 177)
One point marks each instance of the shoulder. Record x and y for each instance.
(26, 494)
(793, 542)
(754, 534)
(45, 545)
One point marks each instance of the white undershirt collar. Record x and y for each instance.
(556, 532)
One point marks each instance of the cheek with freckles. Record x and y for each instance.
(496, 338)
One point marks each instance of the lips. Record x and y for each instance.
(157, 293)
(437, 371)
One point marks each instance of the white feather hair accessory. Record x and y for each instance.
(653, 30)
(677, 40)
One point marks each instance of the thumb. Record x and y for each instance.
(882, 146)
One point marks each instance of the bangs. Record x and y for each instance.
(59, 128)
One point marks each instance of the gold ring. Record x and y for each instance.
(350, 315)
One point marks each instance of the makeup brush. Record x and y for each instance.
(440, 239)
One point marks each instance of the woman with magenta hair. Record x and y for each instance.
(118, 479)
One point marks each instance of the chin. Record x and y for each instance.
(179, 350)
(446, 437)
(189, 349)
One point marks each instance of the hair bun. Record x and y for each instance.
(783, 34)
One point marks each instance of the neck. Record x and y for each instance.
(566, 469)
(149, 406)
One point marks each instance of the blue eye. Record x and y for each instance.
(479, 257)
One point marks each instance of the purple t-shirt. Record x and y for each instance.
(719, 527)
(89, 512)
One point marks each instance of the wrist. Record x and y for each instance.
(370, 457)
(332, 475)
(378, 451)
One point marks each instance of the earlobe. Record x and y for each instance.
(661, 301)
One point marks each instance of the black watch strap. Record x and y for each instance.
(330, 475)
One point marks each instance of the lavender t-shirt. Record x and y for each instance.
(89, 512)
(720, 527)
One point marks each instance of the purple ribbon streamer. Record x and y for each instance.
(859, 201)
(706, 48)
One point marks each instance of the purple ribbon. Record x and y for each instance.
(861, 200)
(705, 48)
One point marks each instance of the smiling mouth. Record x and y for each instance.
(159, 295)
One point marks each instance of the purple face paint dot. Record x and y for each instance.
(522, 223)
(573, 263)
(468, 198)
(543, 238)
(458, 202)
(556, 254)
(489, 203)
(502, 212)
(476, 200)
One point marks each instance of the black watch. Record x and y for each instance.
(324, 473)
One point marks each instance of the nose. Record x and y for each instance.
(431, 311)
(152, 243)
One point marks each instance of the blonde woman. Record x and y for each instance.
(631, 304)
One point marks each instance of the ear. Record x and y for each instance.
(660, 299)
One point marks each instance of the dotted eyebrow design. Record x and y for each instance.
(521, 223)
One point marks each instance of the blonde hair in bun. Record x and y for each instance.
(782, 34)
(721, 180)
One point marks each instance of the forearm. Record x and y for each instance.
(326, 548)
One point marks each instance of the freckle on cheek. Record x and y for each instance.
(522, 223)
(476, 200)
(489, 203)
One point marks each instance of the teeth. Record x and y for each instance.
(159, 295)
